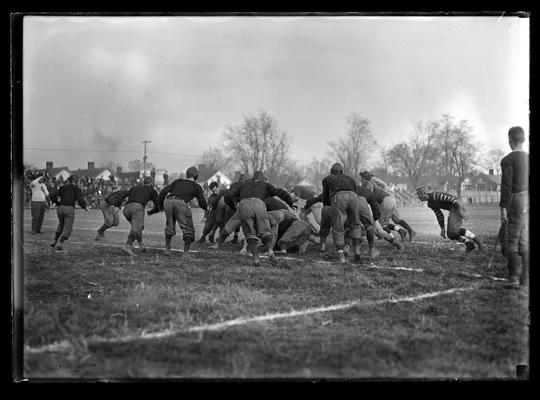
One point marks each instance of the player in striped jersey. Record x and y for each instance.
(454, 231)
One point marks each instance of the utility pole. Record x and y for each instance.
(144, 158)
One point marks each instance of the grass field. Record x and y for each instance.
(429, 311)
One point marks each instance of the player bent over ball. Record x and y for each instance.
(454, 231)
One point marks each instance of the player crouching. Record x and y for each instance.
(455, 231)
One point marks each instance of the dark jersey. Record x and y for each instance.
(142, 195)
(186, 190)
(116, 198)
(370, 198)
(333, 184)
(273, 204)
(67, 195)
(213, 200)
(313, 200)
(303, 192)
(515, 176)
(283, 226)
(256, 189)
(440, 200)
(378, 193)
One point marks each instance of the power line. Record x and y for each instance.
(111, 151)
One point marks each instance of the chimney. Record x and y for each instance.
(491, 171)
(236, 176)
(201, 168)
(119, 170)
(90, 165)
(48, 165)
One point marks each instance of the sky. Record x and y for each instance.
(95, 87)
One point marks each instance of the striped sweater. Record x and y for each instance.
(440, 200)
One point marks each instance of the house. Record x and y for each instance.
(207, 176)
(494, 181)
(57, 173)
(394, 182)
(92, 172)
(482, 182)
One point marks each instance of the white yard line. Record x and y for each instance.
(64, 345)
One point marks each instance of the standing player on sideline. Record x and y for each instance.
(38, 202)
(138, 196)
(455, 231)
(65, 198)
(109, 208)
(175, 199)
(514, 205)
(339, 192)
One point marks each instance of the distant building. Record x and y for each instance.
(57, 173)
(158, 179)
(482, 182)
(92, 172)
(207, 176)
(394, 182)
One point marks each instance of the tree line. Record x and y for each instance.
(441, 152)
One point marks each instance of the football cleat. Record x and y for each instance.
(128, 250)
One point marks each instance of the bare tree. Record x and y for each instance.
(492, 160)
(258, 144)
(214, 159)
(353, 150)
(456, 149)
(413, 158)
(290, 173)
(138, 165)
(317, 170)
(385, 163)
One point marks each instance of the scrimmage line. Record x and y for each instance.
(243, 254)
(438, 243)
(65, 345)
(277, 256)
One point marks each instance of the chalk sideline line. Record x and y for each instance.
(66, 345)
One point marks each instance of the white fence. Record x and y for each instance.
(480, 197)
